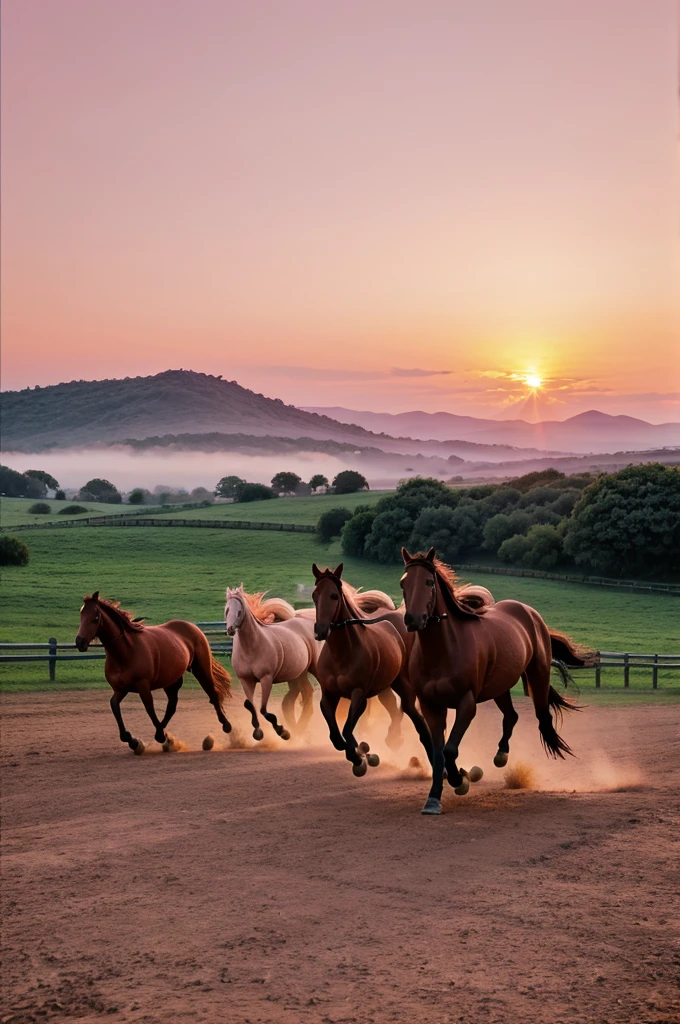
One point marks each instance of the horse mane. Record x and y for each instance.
(367, 600)
(268, 610)
(122, 618)
(456, 598)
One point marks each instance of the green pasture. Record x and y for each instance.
(14, 511)
(183, 573)
(281, 510)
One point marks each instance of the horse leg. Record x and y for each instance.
(266, 686)
(126, 737)
(510, 719)
(146, 698)
(204, 675)
(436, 723)
(172, 693)
(249, 690)
(307, 693)
(465, 712)
(288, 704)
(329, 706)
(408, 706)
(357, 706)
(389, 701)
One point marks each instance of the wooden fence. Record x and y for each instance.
(136, 520)
(220, 644)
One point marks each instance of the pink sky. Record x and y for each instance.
(374, 203)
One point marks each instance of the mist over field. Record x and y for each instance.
(72, 468)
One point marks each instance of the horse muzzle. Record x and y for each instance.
(321, 632)
(415, 623)
(231, 631)
(81, 644)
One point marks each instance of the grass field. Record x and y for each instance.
(282, 510)
(14, 511)
(184, 573)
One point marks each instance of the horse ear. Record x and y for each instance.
(406, 555)
(316, 571)
(338, 572)
(95, 596)
(430, 555)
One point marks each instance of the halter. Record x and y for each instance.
(434, 618)
(352, 621)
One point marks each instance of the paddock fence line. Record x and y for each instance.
(206, 524)
(598, 581)
(221, 644)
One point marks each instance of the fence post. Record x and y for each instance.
(626, 670)
(597, 676)
(655, 672)
(53, 657)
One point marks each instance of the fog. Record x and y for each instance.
(126, 469)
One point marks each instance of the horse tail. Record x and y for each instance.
(221, 679)
(560, 703)
(210, 673)
(477, 593)
(570, 653)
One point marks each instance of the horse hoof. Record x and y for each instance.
(363, 747)
(226, 727)
(168, 744)
(501, 759)
(414, 762)
(359, 769)
(373, 760)
(285, 735)
(139, 747)
(432, 806)
(475, 774)
(258, 734)
(463, 788)
(208, 742)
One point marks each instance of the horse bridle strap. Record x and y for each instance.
(359, 622)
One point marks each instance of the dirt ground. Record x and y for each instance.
(271, 885)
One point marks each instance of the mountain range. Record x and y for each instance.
(587, 432)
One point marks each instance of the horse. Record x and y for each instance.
(140, 659)
(358, 662)
(274, 643)
(467, 652)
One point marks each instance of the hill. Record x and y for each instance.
(182, 402)
(591, 431)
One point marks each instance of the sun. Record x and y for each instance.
(533, 381)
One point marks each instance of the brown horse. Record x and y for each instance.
(467, 652)
(142, 658)
(359, 661)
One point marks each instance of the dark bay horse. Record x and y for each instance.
(142, 658)
(359, 661)
(467, 652)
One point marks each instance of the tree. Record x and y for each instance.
(100, 490)
(501, 527)
(330, 523)
(349, 481)
(201, 494)
(452, 531)
(285, 483)
(40, 474)
(628, 523)
(60, 496)
(18, 485)
(254, 492)
(318, 481)
(546, 549)
(356, 530)
(390, 530)
(226, 487)
(13, 551)
(514, 548)
(136, 497)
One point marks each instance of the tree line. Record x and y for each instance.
(620, 524)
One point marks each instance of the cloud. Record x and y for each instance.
(342, 373)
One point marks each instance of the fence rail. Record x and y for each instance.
(137, 520)
(598, 581)
(53, 651)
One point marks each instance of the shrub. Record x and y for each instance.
(330, 524)
(349, 481)
(546, 548)
(501, 527)
(253, 492)
(13, 551)
(73, 510)
(628, 523)
(356, 530)
(40, 508)
(389, 531)
(136, 497)
(514, 549)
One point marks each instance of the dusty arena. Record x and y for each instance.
(269, 884)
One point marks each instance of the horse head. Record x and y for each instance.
(90, 621)
(327, 597)
(234, 609)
